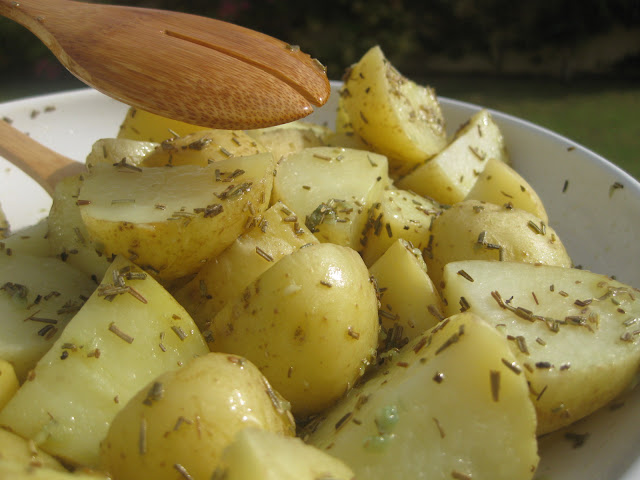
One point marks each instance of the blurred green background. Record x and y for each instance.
(570, 65)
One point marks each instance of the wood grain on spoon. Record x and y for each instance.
(199, 70)
(39, 162)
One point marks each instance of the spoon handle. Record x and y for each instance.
(39, 162)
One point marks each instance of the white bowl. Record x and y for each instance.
(597, 222)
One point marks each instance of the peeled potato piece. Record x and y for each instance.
(263, 455)
(409, 302)
(15, 449)
(38, 297)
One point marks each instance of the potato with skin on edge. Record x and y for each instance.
(129, 331)
(145, 126)
(114, 150)
(202, 148)
(500, 184)
(397, 214)
(395, 116)
(473, 230)
(331, 190)
(290, 137)
(309, 323)
(449, 175)
(272, 235)
(447, 405)
(170, 220)
(181, 422)
(573, 332)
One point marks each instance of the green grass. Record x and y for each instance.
(601, 114)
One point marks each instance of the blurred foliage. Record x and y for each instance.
(338, 32)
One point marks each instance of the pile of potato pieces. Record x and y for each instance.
(383, 284)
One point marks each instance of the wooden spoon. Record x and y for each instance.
(199, 70)
(39, 162)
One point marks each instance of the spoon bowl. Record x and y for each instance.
(198, 70)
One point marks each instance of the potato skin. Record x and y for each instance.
(473, 230)
(184, 419)
(310, 324)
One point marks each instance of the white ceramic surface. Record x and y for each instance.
(599, 225)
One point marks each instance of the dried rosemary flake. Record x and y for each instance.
(513, 366)
(179, 332)
(226, 152)
(182, 471)
(494, 379)
(343, 421)
(264, 254)
(479, 154)
(122, 165)
(577, 439)
(113, 328)
(465, 275)
(460, 476)
(435, 311)
(119, 201)
(522, 344)
(155, 393)
(142, 437)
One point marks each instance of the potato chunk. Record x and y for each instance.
(15, 449)
(310, 324)
(409, 302)
(145, 126)
(450, 175)
(69, 239)
(500, 184)
(331, 190)
(202, 148)
(448, 405)
(170, 220)
(263, 455)
(573, 332)
(38, 297)
(114, 150)
(8, 382)
(473, 230)
(395, 116)
(398, 214)
(274, 234)
(291, 137)
(127, 333)
(182, 421)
